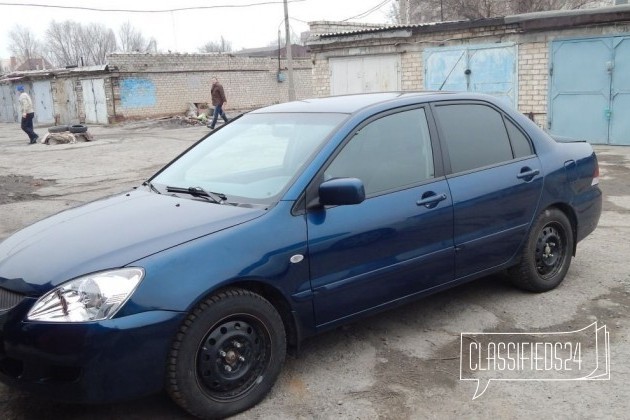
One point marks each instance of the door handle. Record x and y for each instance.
(430, 199)
(527, 173)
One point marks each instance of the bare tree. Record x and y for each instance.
(23, 44)
(418, 11)
(132, 40)
(295, 39)
(70, 43)
(221, 45)
(99, 41)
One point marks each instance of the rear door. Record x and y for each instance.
(495, 182)
(399, 241)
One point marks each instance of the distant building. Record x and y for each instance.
(38, 63)
(14, 64)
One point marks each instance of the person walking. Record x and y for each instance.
(218, 100)
(26, 106)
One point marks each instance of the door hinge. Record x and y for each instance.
(551, 71)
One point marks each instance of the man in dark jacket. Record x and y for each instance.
(218, 100)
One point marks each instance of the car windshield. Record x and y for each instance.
(251, 160)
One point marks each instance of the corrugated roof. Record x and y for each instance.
(50, 72)
(525, 17)
(383, 28)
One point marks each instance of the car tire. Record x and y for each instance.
(58, 129)
(226, 355)
(77, 128)
(546, 256)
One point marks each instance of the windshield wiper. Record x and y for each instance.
(199, 192)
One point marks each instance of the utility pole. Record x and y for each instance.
(289, 51)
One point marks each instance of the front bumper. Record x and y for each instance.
(92, 362)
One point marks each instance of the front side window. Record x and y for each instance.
(475, 136)
(392, 152)
(253, 159)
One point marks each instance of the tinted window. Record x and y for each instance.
(520, 143)
(389, 153)
(475, 136)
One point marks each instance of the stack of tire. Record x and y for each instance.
(75, 129)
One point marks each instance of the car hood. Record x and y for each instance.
(106, 234)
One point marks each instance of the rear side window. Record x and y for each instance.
(520, 143)
(475, 136)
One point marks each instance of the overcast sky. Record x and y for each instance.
(185, 31)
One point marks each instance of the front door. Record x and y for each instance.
(396, 243)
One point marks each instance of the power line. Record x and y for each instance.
(367, 12)
(180, 9)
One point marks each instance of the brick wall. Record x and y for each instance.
(533, 55)
(150, 85)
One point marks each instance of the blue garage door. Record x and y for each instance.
(487, 69)
(589, 93)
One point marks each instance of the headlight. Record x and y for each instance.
(93, 297)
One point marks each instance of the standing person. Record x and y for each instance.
(218, 100)
(26, 106)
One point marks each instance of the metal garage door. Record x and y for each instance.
(487, 69)
(372, 73)
(94, 101)
(7, 109)
(67, 99)
(43, 102)
(589, 93)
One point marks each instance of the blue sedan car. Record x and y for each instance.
(288, 221)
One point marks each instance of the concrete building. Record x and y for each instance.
(134, 86)
(567, 70)
(149, 85)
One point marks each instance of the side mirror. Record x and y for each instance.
(341, 191)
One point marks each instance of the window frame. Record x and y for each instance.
(442, 136)
(312, 190)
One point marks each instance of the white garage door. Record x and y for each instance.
(373, 73)
(7, 109)
(43, 102)
(94, 101)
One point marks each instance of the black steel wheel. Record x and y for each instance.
(227, 354)
(546, 257)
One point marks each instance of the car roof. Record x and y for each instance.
(349, 104)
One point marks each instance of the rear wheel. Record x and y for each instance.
(227, 354)
(546, 257)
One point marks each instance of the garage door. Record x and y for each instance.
(67, 99)
(589, 93)
(7, 110)
(487, 69)
(43, 102)
(94, 102)
(374, 73)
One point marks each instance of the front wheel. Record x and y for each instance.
(227, 354)
(546, 256)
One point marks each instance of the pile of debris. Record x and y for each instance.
(67, 134)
